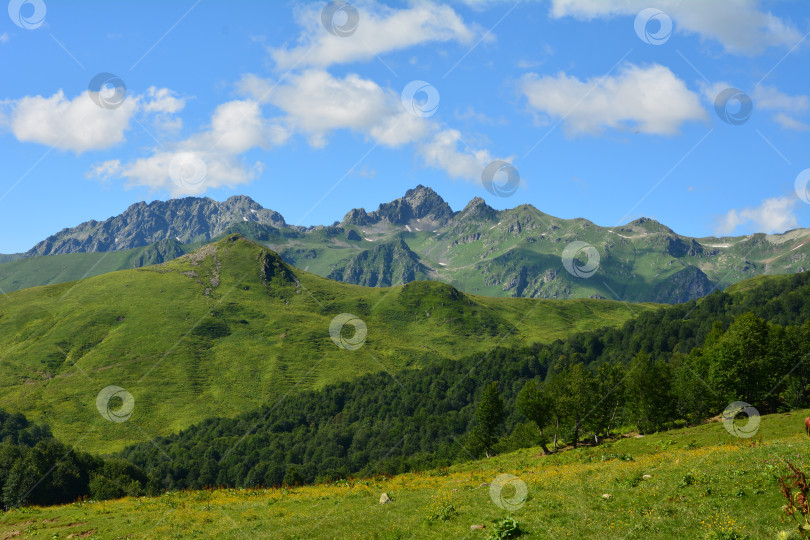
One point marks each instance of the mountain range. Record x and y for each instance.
(513, 252)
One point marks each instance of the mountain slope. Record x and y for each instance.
(512, 252)
(391, 263)
(230, 327)
(9, 258)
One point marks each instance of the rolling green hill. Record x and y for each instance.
(230, 327)
(515, 252)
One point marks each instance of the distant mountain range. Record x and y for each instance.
(513, 252)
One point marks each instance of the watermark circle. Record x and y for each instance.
(649, 16)
(730, 414)
(569, 259)
(108, 91)
(420, 98)
(724, 106)
(31, 21)
(340, 18)
(336, 331)
(517, 500)
(498, 169)
(121, 414)
(801, 186)
(188, 171)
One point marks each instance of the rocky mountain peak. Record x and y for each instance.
(418, 203)
(649, 225)
(477, 209)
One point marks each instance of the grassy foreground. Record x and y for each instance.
(703, 483)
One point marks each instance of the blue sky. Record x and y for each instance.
(603, 116)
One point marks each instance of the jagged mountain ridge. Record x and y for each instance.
(512, 252)
(186, 220)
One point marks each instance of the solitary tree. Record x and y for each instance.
(535, 405)
(489, 415)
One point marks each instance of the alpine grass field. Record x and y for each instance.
(700, 482)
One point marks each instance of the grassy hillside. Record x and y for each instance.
(231, 327)
(703, 483)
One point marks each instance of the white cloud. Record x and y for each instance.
(255, 87)
(316, 103)
(236, 127)
(312, 103)
(162, 100)
(78, 125)
(381, 29)
(772, 215)
(650, 100)
(741, 27)
(4, 37)
(442, 152)
(163, 105)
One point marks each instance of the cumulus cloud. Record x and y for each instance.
(316, 103)
(381, 29)
(79, 124)
(312, 103)
(650, 100)
(208, 159)
(740, 27)
(772, 215)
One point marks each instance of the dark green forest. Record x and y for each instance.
(37, 469)
(667, 368)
